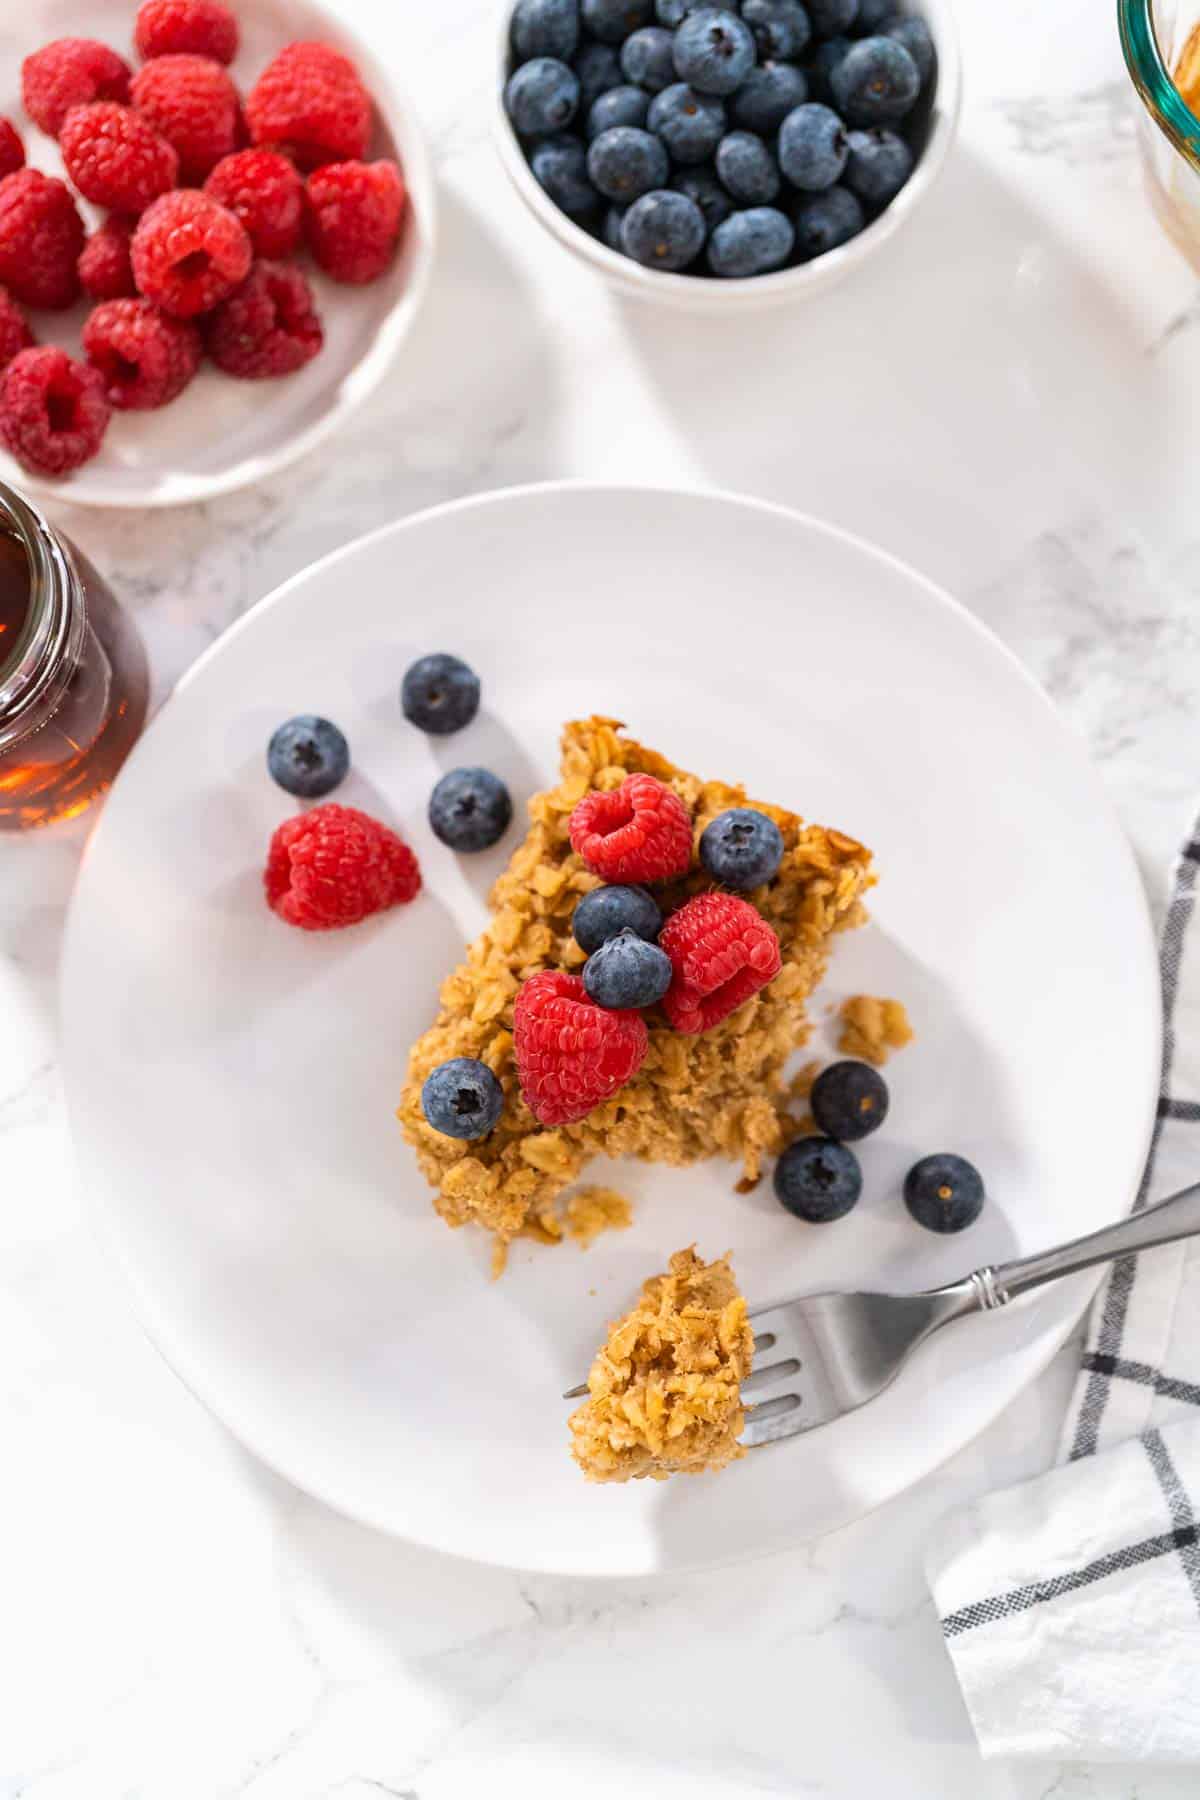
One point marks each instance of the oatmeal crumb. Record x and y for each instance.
(872, 1028)
(593, 1210)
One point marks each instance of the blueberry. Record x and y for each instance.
(627, 972)
(780, 28)
(751, 243)
(470, 809)
(829, 18)
(625, 163)
(597, 68)
(439, 694)
(606, 911)
(876, 82)
(813, 146)
(879, 164)
(917, 39)
(747, 169)
(545, 28)
(944, 1193)
(462, 1098)
(849, 1101)
(873, 15)
(647, 59)
(673, 12)
(701, 185)
(307, 756)
(663, 230)
(541, 96)
(714, 51)
(691, 125)
(818, 1180)
(619, 106)
(767, 96)
(559, 165)
(742, 848)
(824, 221)
(825, 60)
(612, 20)
(610, 227)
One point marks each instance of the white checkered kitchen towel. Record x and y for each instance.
(1070, 1605)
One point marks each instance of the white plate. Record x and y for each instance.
(222, 434)
(231, 1082)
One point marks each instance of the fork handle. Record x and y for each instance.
(1178, 1217)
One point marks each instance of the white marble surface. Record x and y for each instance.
(1008, 404)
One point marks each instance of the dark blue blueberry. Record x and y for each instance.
(598, 68)
(824, 221)
(606, 911)
(626, 971)
(545, 28)
(873, 15)
(917, 39)
(673, 12)
(612, 20)
(849, 1100)
(879, 164)
(818, 1180)
(663, 230)
(470, 809)
(440, 694)
(825, 60)
(307, 756)
(750, 243)
(647, 59)
(781, 27)
(813, 147)
(830, 18)
(944, 1193)
(747, 169)
(625, 163)
(767, 96)
(559, 165)
(541, 96)
(610, 228)
(619, 106)
(742, 848)
(714, 51)
(691, 125)
(875, 83)
(701, 185)
(462, 1098)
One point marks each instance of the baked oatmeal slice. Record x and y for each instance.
(720, 1093)
(664, 1394)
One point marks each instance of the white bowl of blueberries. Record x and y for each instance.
(693, 152)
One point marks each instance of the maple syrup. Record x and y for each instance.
(73, 677)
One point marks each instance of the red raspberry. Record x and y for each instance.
(115, 157)
(70, 72)
(53, 414)
(12, 150)
(186, 27)
(640, 832)
(41, 235)
(311, 104)
(145, 357)
(14, 329)
(354, 214)
(191, 101)
(104, 266)
(268, 326)
(722, 951)
(188, 253)
(267, 195)
(570, 1053)
(334, 866)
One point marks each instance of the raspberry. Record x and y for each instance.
(570, 1054)
(115, 157)
(144, 357)
(104, 266)
(188, 253)
(268, 326)
(12, 150)
(53, 414)
(191, 101)
(354, 214)
(14, 329)
(41, 235)
(640, 832)
(722, 951)
(334, 866)
(70, 72)
(267, 195)
(310, 103)
(186, 27)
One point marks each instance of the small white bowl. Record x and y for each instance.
(222, 433)
(700, 293)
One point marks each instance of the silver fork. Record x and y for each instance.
(824, 1355)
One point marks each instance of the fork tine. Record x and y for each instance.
(576, 1393)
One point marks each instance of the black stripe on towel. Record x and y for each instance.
(1124, 1370)
(1129, 1556)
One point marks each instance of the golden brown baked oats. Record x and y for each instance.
(872, 1028)
(664, 1394)
(693, 1097)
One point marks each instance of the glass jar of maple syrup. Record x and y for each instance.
(73, 678)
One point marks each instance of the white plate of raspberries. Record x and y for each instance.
(216, 227)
